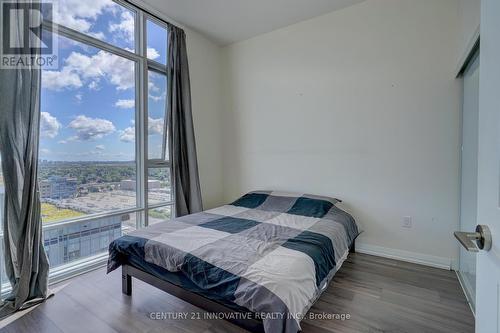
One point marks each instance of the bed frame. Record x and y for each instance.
(252, 325)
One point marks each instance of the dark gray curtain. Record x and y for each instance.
(26, 262)
(182, 146)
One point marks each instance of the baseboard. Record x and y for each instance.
(413, 257)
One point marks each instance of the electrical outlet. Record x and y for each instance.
(407, 222)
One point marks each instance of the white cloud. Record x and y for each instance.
(79, 97)
(79, 68)
(98, 35)
(125, 26)
(153, 87)
(157, 98)
(152, 53)
(128, 134)
(119, 71)
(100, 147)
(94, 85)
(58, 80)
(49, 125)
(125, 103)
(81, 15)
(90, 128)
(155, 126)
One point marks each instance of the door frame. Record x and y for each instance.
(473, 48)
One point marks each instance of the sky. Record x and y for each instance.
(88, 103)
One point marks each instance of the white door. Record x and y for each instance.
(468, 193)
(488, 202)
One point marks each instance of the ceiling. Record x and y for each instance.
(229, 21)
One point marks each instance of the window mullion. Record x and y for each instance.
(144, 113)
(165, 128)
(140, 109)
(157, 67)
(89, 40)
(162, 204)
(158, 164)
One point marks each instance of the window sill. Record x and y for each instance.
(68, 271)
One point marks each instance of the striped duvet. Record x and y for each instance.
(272, 253)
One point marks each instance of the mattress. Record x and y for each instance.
(269, 253)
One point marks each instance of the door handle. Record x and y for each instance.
(475, 241)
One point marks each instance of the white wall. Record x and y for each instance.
(361, 104)
(470, 17)
(205, 65)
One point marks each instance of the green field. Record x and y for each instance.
(162, 214)
(50, 213)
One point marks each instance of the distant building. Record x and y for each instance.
(44, 187)
(127, 185)
(130, 185)
(68, 242)
(154, 184)
(57, 187)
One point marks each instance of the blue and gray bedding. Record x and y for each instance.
(271, 253)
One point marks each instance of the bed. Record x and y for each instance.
(260, 262)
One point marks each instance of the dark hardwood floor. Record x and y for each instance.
(379, 295)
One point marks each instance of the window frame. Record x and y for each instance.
(164, 162)
(142, 65)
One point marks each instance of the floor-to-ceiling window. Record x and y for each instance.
(103, 160)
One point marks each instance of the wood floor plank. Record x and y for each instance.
(379, 295)
(32, 319)
(72, 316)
